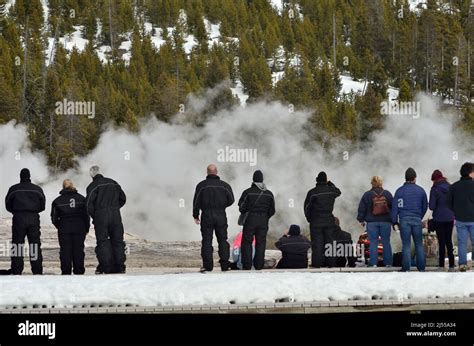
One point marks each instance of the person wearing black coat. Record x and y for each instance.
(259, 203)
(318, 210)
(69, 216)
(294, 248)
(25, 201)
(211, 198)
(460, 199)
(104, 199)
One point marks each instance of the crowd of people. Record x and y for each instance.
(379, 212)
(71, 213)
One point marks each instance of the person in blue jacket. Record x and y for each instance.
(374, 212)
(409, 206)
(443, 218)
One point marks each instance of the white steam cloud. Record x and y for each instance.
(159, 167)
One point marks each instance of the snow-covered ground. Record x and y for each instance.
(229, 288)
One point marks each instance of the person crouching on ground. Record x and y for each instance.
(69, 216)
(294, 248)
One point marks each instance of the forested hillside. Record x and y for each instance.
(141, 58)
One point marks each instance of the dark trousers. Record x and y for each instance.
(71, 252)
(110, 247)
(26, 225)
(256, 226)
(320, 236)
(214, 221)
(444, 232)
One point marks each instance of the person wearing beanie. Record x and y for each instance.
(25, 201)
(104, 200)
(69, 216)
(211, 198)
(257, 206)
(460, 200)
(318, 210)
(294, 248)
(409, 206)
(443, 218)
(374, 214)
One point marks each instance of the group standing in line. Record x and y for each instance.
(379, 212)
(70, 214)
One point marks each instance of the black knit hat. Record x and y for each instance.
(258, 176)
(410, 174)
(322, 177)
(466, 169)
(25, 174)
(294, 230)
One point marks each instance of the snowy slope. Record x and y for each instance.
(223, 288)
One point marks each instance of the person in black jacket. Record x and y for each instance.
(259, 203)
(318, 208)
(212, 197)
(294, 248)
(25, 201)
(69, 215)
(104, 199)
(460, 199)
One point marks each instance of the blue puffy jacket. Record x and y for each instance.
(409, 200)
(438, 193)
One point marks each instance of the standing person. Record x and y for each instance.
(25, 201)
(374, 212)
(69, 215)
(212, 197)
(294, 249)
(460, 200)
(443, 218)
(104, 199)
(409, 206)
(259, 203)
(318, 208)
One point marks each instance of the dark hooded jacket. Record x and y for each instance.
(25, 197)
(104, 193)
(438, 203)
(69, 214)
(319, 204)
(265, 203)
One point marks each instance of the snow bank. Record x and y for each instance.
(224, 288)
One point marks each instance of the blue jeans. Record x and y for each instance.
(410, 226)
(464, 230)
(382, 229)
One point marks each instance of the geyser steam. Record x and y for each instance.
(159, 168)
